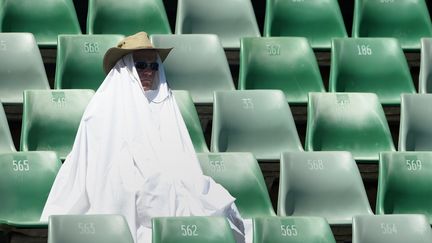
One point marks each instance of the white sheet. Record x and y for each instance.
(133, 156)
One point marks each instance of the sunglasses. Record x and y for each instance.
(143, 65)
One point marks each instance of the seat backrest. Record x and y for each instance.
(100, 228)
(399, 228)
(127, 17)
(285, 63)
(6, 142)
(408, 21)
(197, 64)
(25, 182)
(230, 20)
(425, 75)
(376, 65)
(241, 175)
(404, 183)
(257, 121)
(352, 122)
(191, 230)
(191, 119)
(21, 67)
(318, 21)
(292, 230)
(51, 119)
(323, 184)
(415, 131)
(46, 19)
(79, 60)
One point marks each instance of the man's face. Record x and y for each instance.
(147, 67)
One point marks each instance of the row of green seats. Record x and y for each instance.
(375, 65)
(312, 184)
(113, 228)
(257, 121)
(230, 20)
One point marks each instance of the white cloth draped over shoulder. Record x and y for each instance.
(133, 156)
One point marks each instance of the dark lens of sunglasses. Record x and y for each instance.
(143, 65)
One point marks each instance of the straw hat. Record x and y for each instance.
(138, 41)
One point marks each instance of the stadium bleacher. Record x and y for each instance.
(397, 51)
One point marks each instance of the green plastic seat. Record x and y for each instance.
(51, 119)
(79, 60)
(352, 122)
(285, 63)
(46, 19)
(415, 132)
(88, 229)
(241, 175)
(408, 21)
(197, 64)
(322, 184)
(21, 67)
(257, 121)
(230, 20)
(425, 75)
(191, 230)
(6, 142)
(404, 183)
(375, 65)
(391, 228)
(292, 230)
(191, 119)
(127, 17)
(25, 182)
(318, 21)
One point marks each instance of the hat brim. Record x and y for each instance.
(114, 54)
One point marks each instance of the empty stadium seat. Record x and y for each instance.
(285, 63)
(375, 65)
(425, 75)
(88, 229)
(191, 230)
(408, 21)
(241, 175)
(292, 230)
(197, 64)
(79, 60)
(46, 19)
(391, 228)
(257, 121)
(191, 119)
(230, 20)
(352, 122)
(323, 184)
(6, 142)
(51, 119)
(318, 21)
(21, 67)
(404, 183)
(25, 182)
(415, 132)
(127, 17)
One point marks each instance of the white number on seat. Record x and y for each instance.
(3, 46)
(315, 164)
(386, 1)
(273, 50)
(288, 230)
(364, 50)
(189, 230)
(388, 229)
(91, 47)
(20, 165)
(86, 228)
(247, 103)
(217, 165)
(414, 164)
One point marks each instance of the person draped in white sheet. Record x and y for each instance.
(133, 155)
